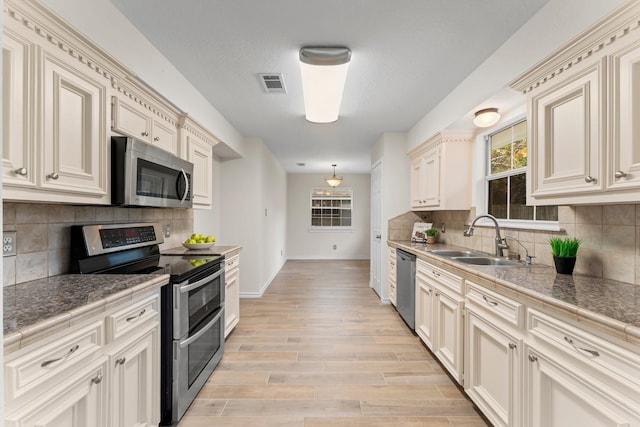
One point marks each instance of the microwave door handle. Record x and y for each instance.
(198, 334)
(186, 185)
(192, 286)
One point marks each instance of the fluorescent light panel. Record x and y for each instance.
(324, 73)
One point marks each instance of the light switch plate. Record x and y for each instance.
(9, 243)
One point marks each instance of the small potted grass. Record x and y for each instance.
(565, 250)
(432, 235)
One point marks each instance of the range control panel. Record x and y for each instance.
(117, 237)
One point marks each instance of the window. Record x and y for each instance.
(506, 178)
(331, 208)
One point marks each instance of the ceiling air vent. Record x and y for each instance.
(272, 83)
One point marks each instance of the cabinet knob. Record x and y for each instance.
(512, 346)
(21, 171)
(53, 176)
(589, 179)
(145, 133)
(156, 139)
(97, 379)
(533, 358)
(620, 174)
(121, 361)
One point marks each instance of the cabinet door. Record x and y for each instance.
(135, 388)
(492, 369)
(18, 156)
(231, 300)
(165, 136)
(566, 137)
(624, 150)
(200, 153)
(80, 401)
(417, 183)
(74, 133)
(447, 332)
(424, 311)
(558, 395)
(130, 119)
(431, 178)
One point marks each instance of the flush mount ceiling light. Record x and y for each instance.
(486, 117)
(334, 180)
(324, 72)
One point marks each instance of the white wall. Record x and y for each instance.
(103, 23)
(554, 25)
(396, 182)
(305, 244)
(251, 184)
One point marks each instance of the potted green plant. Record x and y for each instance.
(564, 250)
(432, 235)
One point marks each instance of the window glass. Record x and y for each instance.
(331, 207)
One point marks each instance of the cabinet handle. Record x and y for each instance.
(435, 273)
(53, 175)
(145, 133)
(156, 139)
(512, 346)
(488, 301)
(532, 358)
(591, 353)
(121, 361)
(589, 179)
(69, 353)
(97, 379)
(393, 263)
(620, 174)
(129, 319)
(21, 171)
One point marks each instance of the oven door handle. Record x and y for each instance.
(201, 332)
(192, 286)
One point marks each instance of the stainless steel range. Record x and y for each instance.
(192, 312)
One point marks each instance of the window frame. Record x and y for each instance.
(331, 228)
(524, 224)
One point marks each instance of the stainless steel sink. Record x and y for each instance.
(457, 254)
(491, 261)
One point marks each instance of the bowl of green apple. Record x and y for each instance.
(199, 241)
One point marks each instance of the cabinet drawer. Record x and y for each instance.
(602, 355)
(121, 322)
(494, 303)
(448, 280)
(41, 364)
(232, 263)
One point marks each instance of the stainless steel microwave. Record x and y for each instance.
(145, 175)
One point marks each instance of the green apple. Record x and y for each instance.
(210, 239)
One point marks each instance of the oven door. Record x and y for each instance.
(194, 359)
(195, 299)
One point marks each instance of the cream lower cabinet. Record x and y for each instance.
(493, 354)
(392, 277)
(232, 294)
(439, 315)
(104, 372)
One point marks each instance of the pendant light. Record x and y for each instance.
(334, 180)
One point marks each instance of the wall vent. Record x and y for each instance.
(272, 83)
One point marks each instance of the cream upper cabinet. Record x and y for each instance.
(441, 172)
(143, 121)
(583, 104)
(197, 147)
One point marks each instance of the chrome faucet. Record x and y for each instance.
(528, 259)
(501, 243)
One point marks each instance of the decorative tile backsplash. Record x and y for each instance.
(610, 235)
(42, 233)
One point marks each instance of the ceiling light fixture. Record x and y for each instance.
(334, 180)
(324, 72)
(486, 117)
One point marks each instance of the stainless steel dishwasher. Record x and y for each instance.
(406, 287)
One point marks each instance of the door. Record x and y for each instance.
(376, 230)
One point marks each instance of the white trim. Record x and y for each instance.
(521, 224)
(320, 229)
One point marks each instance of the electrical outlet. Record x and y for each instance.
(443, 227)
(9, 243)
(335, 247)
(167, 230)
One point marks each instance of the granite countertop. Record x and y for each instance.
(214, 250)
(50, 304)
(609, 303)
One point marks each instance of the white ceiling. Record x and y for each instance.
(407, 56)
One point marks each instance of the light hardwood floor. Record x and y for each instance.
(319, 349)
